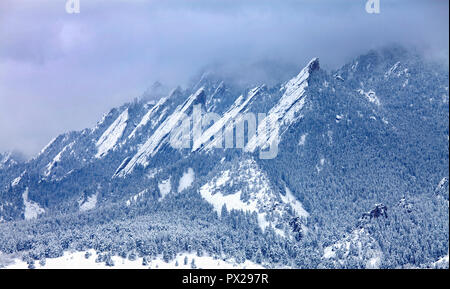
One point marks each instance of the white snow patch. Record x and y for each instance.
(47, 146)
(338, 77)
(330, 137)
(148, 116)
(89, 204)
(152, 173)
(442, 263)
(374, 262)
(392, 69)
(112, 135)
(442, 183)
(328, 252)
(186, 180)
(135, 198)
(32, 209)
(259, 197)
(233, 114)
(319, 166)
(371, 96)
(6, 159)
(303, 139)
(405, 83)
(165, 187)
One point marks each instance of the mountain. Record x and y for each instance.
(9, 159)
(346, 169)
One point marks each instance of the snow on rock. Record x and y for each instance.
(165, 187)
(89, 204)
(320, 165)
(234, 114)
(296, 205)
(442, 263)
(32, 209)
(443, 184)
(47, 146)
(17, 180)
(57, 159)
(339, 117)
(186, 180)
(213, 192)
(161, 134)
(371, 96)
(121, 167)
(112, 135)
(302, 140)
(148, 116)
(135, 198)
(286, 110)
(397, 70)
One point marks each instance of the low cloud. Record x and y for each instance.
(62, 71)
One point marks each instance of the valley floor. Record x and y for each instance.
(77, 260)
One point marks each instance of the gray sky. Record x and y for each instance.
(61, 72)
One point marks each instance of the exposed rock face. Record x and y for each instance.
(380, 210)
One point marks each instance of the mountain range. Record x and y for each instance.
(360, 178)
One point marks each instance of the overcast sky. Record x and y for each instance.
(61, 72)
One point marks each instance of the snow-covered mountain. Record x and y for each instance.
(374, 131)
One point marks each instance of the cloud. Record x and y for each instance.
(60, 72)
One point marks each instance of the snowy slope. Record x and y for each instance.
(286, 111)
(112, 135)
(359, 245)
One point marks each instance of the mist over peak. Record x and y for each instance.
(62, 71)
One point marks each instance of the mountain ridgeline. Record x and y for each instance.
(360, 179)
